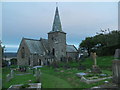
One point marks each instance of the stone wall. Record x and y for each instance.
(73, 55)
(25, 60)
(57, 41)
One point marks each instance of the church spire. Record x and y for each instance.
(56, 23)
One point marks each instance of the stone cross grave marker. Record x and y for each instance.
(95, 67)
(94, 58)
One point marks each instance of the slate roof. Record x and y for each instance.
(71, 48)
(45, 44)
(35, 46)
(41, 46)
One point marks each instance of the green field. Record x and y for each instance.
(61, 78)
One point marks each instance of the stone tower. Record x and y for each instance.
(57, 38)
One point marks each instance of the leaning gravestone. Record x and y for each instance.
(116, 67)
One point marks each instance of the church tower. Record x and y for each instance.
(57, 38)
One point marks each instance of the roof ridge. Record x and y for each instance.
(70, 45)
(31, 39)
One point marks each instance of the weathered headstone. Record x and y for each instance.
(12, 73)
(8, 77)
(116, 67)
(117, 53)
(35, 71)
(38, 75)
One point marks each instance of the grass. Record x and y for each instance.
(104, 62)
(22, 79)
(68, 76)
(62, 78)
(51, 81)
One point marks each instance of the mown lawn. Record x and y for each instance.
(62, 78)
(52, 81)
(68, 76)
(104, 62)
(22, 79)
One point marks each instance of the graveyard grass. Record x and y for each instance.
(22, 79)
(62, 78)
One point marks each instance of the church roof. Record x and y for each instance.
(41, 46)
(36, 46)
(71, 48)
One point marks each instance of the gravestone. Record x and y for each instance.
(35, 71)
(117, 53)
(12, 73)
(116, 67)
(38, 75)
(95, 67)
(8, 77)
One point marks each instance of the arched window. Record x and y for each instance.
(23, 52)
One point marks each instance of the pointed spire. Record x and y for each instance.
(57, 22)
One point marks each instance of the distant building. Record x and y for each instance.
(45, 51)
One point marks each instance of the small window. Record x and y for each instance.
(23, 52)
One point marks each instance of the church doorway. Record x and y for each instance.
(53, 52)
(39, 62)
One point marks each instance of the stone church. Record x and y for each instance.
(44, 51)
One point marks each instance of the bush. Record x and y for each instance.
(107, 51)
(13, 61)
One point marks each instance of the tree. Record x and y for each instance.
(102, 40)
(88, 43)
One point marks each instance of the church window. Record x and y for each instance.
(23, 52)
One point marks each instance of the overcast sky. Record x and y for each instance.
(34, 20)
